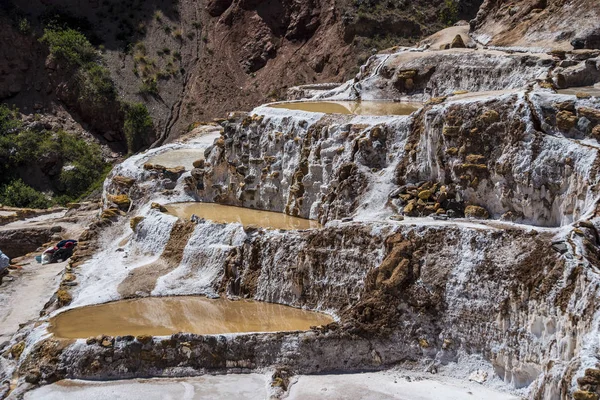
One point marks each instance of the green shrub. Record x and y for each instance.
(70, 45)
(83, 166)
(96, 85)
(18, 194)
(24, 26)
(149, 87)
(138, 126)
(449, 12)
(8, 120)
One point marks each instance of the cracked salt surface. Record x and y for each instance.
(242, 387)
(394, 384)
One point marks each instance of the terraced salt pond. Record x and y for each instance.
(589, 90)
(161, 316)
(246, 216)
(178, 158)
(352, 107)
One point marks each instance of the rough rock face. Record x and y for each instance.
(337, 155)
(441, 73)
(233, 54)
(475, 145)
(416, 298)
(517, 291)
(18, 242)
(545, 25)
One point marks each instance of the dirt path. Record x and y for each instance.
(24, 297)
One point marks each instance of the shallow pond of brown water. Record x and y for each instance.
(246, 216)
(178, 158)
(352, 107)
(588, 90)
(161, 316)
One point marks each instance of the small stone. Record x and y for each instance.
(17, 350)
(490, 116)
(451, 131)
(425, 194)
(593, 373)
(134, 222)
(596, 132)
(397, 217)
(476, 212)
(347, 219)
(122, 201)
(63, 297)
(159, 207)
(123, 181)
(478, 376)
(475, 159)
(457, 43)
(198, 163)
(106, 343)
(585, 395)
(560, 247)
(590, 113)
(566, 120)
(90, 341)
(144, 338)
(565, 106)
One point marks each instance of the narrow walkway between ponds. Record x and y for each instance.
(239, 387)
(23, 298)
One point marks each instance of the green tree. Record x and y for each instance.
(18, 194)
(138, 126)
(70, 45)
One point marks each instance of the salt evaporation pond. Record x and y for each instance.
(178, 158)
(589, 90)
(352, 107)
(161, 316)
(220, 213)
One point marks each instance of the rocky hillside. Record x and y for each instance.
(191, 61)
(541, 24)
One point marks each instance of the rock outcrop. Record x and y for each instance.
(541, 25)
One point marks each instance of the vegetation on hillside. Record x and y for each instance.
(73, 166)
(138, 125)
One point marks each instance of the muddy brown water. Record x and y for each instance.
(178, 158)
(589, 90)
(161, 316)
(246, 216)
(352, 107)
